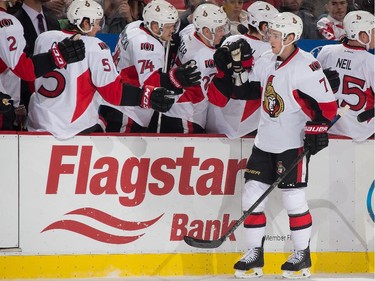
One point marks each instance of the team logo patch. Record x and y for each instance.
(209, 63)
(103, 45)
(5, 22)
(273, 104)
(315, 65)
(147, 46)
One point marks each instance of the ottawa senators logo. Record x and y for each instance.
(273, 104)
(147, 46)
(209, 63)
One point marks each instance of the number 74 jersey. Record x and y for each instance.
(356, 69)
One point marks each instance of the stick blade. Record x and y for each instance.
(205, 244)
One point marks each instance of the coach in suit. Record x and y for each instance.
(35, 19)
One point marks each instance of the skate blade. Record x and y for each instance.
(252, 273)
(301, 274)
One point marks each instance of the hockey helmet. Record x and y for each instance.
(356, 22)
(260, 11)
(287, 23)
(160, 11)
(80, 9)
(210, 16)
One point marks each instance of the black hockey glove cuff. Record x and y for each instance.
(223, 62)
(158, 99)
(316, 136)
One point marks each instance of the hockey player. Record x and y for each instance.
(238, 117)
(355, 66)
(141, 57)
(66, 101)
(295, 114)
(189, 113)
(13, 59)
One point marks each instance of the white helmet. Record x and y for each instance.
(159, 11)
(80, 9)
(287, 23)
(210, 16)
(260, 11)
(357, 21)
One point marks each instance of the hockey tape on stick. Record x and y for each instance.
(210, 244)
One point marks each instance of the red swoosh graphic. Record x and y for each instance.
(112, 221)
(91, 232)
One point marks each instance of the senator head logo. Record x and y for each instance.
(273, 104)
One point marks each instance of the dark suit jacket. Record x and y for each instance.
(30, 37)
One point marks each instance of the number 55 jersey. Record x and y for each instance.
(355, 66)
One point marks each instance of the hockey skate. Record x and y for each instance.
(251, 263)
(298, 265)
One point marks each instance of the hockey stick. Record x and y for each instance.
(366, 115)
(210, 244)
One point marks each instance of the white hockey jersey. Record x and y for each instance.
(286, 88)
(238, 117)
(12, 56)
(138, 56)
(192, 104)
(66, 100)
(356, 69)
(330, 28)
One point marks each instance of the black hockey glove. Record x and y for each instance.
(7, 114)
(185, 75)
(333, 78)
(223, 62)
(158, 99)
(67, 51)
(316, 136)
(242, 55)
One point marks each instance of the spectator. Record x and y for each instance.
(331, 26)
(57, 8)
(309, 20)
(189, 113)
(66, 101)
(355, 66)
(365, 5)
(35, 19)
(236, 14)
(118, 13)
(140, 57)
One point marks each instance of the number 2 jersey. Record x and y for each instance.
(356, 69)
(12, 56)
(66, 100)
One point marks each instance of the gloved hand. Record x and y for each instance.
(223, 61)
(242, 55)
(67, 51)
(333, 78)
(316, 136)
(157, 98)
(185, 75)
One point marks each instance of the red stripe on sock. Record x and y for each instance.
(255, 220)
(300, 221)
